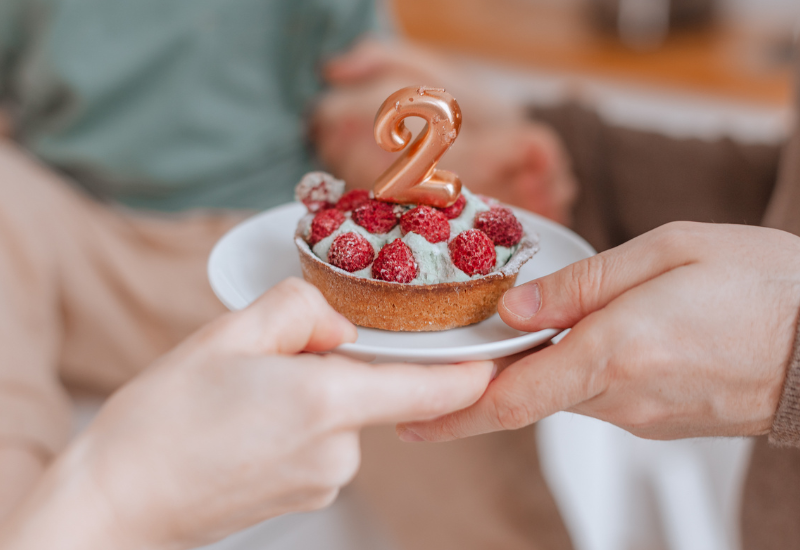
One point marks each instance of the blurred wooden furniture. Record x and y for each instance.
(723, 60)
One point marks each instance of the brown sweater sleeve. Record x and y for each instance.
(782, 214)
(786, 427)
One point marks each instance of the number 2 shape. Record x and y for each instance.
(413, 178)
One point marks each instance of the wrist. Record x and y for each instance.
(66, 510)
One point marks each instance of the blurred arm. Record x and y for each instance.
(137, 477)
(62, 511)
(20, 469)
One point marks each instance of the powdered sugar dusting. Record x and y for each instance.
(501, 225)
(318, 188)
(433, 260)
(351, 252)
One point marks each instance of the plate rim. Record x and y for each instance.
(525, 340)
(517, 343)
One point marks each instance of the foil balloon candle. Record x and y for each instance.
(414, 178)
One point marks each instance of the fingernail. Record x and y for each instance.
(523, 301)
(494, 371)
(408, 436)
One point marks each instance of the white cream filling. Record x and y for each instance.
(504, 254)
(349, 226)
(433, 259)
(467, 218)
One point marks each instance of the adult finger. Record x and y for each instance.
(387, 394)
(291, 317)
(563, 298)
(534, 387)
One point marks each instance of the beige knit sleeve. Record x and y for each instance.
(786, 427)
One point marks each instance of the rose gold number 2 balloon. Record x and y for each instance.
(413, 178)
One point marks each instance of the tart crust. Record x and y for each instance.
(407, 307)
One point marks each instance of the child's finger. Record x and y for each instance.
(291, 317)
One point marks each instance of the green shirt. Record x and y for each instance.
(172, 104)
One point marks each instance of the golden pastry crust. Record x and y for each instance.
(407, 307)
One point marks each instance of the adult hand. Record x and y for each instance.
(231, 428)
(685, 331)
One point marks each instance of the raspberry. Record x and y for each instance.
(375, 216)
(454, 210)
(395, 263)
(325, 223)
(353, 199)
(318, 191)
(428, 222)
(500, 225)
(473, 252)
(351, 252)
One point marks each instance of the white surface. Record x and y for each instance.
(260, 253)
(616, 491)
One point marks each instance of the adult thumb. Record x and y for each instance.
(565, 297)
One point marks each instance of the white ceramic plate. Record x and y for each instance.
(260, 252)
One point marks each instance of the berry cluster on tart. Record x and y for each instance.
(408, 267)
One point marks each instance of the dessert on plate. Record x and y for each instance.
(419, 252)
(408, 267)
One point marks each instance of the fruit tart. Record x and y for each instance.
(408, 267)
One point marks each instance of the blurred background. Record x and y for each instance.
(728, 49)
(646, 95)
(633, 85)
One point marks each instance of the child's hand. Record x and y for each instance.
(234, 427)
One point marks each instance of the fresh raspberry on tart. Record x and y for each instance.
(395, 263)
(325, 223)
(351, 252)
(454, 210)
(472, 252)
(428, 222)
(408, 267)
(353, 199)
(500, 225)
(376, 216)
(318, 191)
